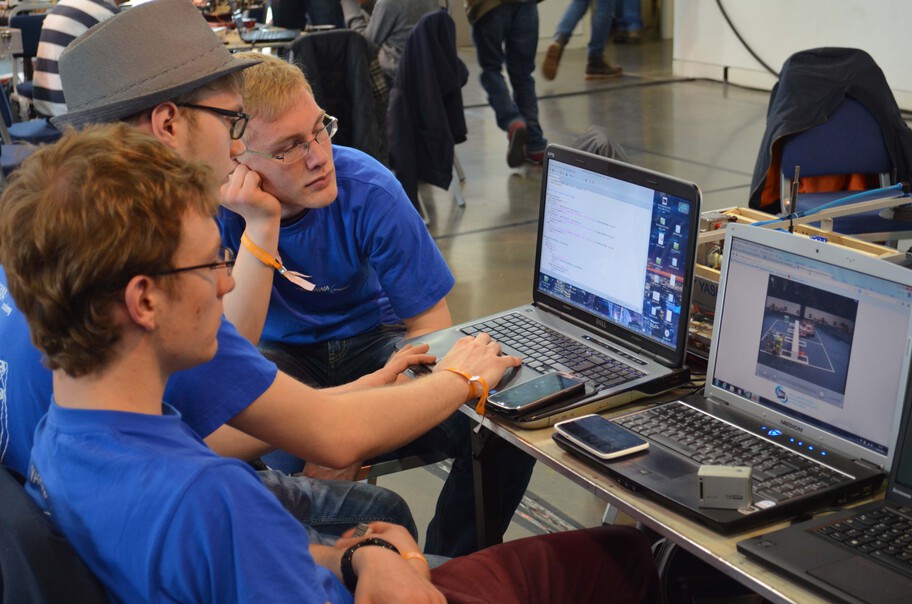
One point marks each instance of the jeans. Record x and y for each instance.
(628, 16)
(508, 34)
(327, 508)
(602, 14)
(335, 362)
(452, 531)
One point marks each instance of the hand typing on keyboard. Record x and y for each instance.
(479, 355)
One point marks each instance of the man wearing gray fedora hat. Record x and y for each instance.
(159, 67)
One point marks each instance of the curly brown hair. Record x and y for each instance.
(78, 220)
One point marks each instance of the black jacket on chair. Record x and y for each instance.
(426, 118)
(812, 84)
(337, 66)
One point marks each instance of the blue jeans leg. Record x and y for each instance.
(335, 362)
(327, 508)
(602, 14)
(521, 45)
(572, 15)
(488, 34)
(628, 15)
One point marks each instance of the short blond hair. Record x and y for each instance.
(271, 87)
(82, 217)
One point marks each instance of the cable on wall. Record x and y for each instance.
(743, 42)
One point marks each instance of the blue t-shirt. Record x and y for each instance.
(158, 517)
(207, 395)
(368, 254)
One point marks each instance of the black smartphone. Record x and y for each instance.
(601, 437)
(537, 392)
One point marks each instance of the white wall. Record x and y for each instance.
(704, 45)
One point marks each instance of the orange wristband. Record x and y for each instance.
(473, 379)
(416, 556)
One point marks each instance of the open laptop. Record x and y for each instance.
(807, 376)
(860, 555)
(611, 285)
(264, 35)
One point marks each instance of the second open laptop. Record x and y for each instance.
(266, 35)
(611, 285)
(807, 377)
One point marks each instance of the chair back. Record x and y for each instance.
(30, 25)
(337, 66)
(848, 142)
(36, 563)
(426, 117)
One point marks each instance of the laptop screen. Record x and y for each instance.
(616, 250)
(821, 344)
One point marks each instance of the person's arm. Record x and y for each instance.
(435, 318)
(247, 304)
(228, 442)
(338, 430)
(391, 372)
(383, 575)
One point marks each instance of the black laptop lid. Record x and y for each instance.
(616, 247)
(899, 487)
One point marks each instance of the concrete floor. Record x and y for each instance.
(702, 131)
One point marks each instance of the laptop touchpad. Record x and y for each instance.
(660, 466)
(865, 580)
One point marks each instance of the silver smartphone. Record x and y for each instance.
(537, 392)
(601, 437)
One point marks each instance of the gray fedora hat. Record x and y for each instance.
(139, 58)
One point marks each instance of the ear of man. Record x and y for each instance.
(165, 122)
(143, 299)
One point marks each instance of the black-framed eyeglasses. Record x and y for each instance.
(226, 261)
(299, 151)
(237, 119)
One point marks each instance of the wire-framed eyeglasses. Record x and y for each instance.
(237, 119)
(226, 261)
(299, 151)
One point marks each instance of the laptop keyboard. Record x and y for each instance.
(778, 474)
(545, 350)
(268, 35)
(881, 534)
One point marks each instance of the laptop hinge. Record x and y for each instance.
(614, 339)
(868, 464)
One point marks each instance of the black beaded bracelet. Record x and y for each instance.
(349, 578)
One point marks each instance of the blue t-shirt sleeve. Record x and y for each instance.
(229, 540)
(409, 266)
(210, 394)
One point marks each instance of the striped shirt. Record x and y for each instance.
(66, 21)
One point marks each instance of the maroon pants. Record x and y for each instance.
(605, 564)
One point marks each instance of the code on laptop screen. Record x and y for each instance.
(615, 249)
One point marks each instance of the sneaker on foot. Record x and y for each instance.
(552, 59)
(516, 133)
(536, 158)
(598, 69)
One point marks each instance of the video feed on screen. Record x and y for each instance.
(807, 335)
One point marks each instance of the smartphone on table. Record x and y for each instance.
(601, 437)
(537, 392)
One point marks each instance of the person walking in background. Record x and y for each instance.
(506, 32)
(596, 66)
(628, 22)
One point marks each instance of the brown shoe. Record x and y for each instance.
(552, 59)
(598, 69)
